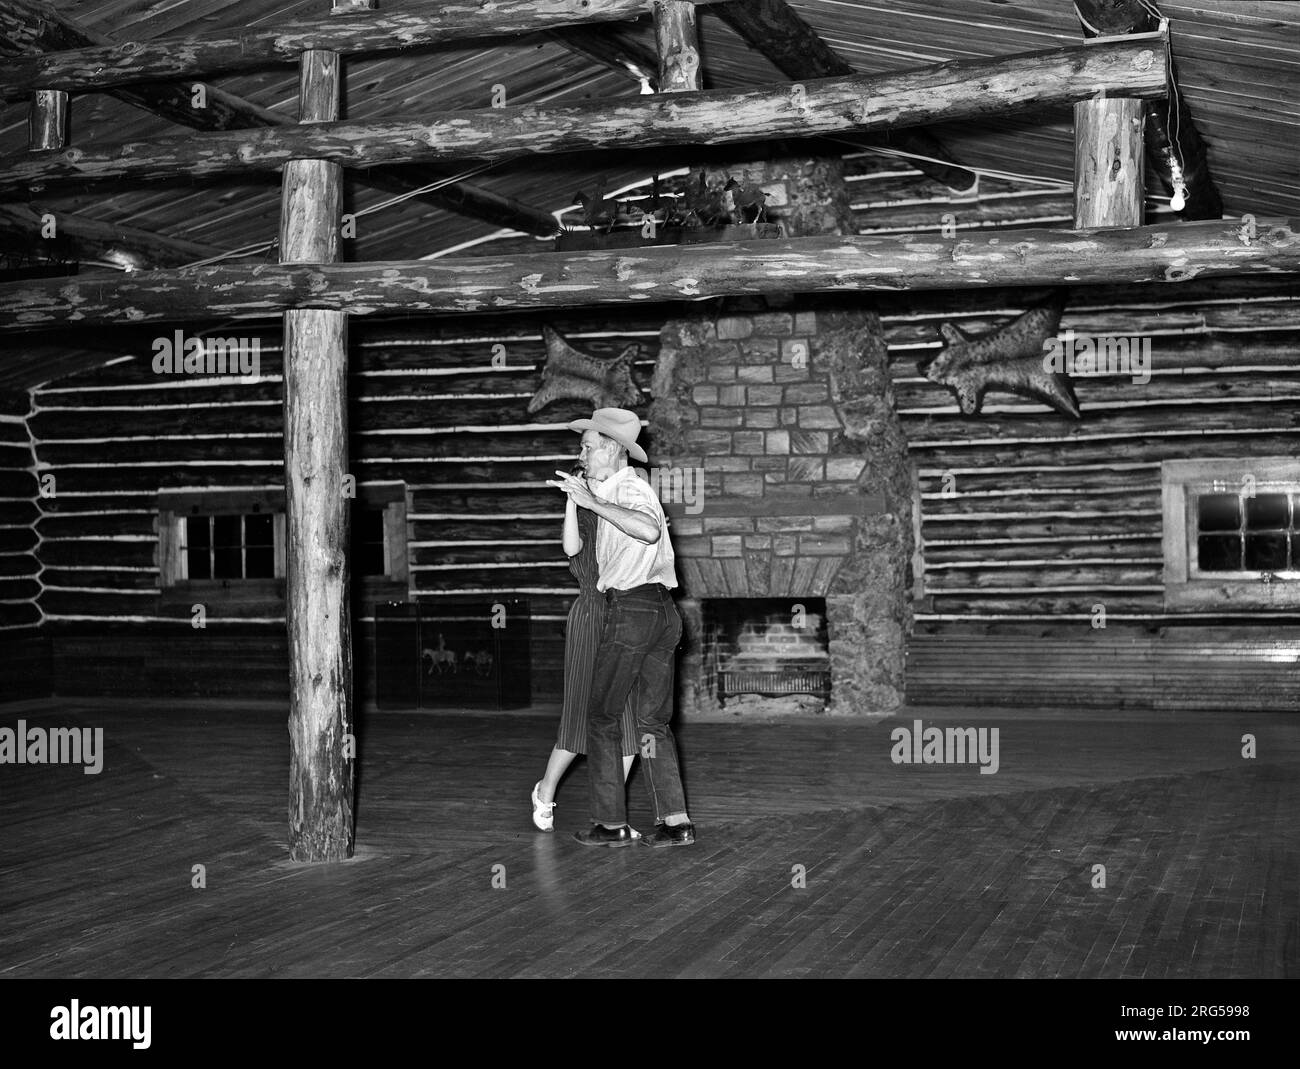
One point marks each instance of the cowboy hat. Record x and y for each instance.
(617, 423)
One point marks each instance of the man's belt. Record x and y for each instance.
(644, 588)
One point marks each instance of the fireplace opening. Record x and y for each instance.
(766, 653)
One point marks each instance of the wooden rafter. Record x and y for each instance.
(1033, 257)
(93, 238)
(774, 28)
(26, 27)
(611, 47)
(1128, 67)
(167, 58)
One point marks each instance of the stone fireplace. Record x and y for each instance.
(782, 408)
(784, 413)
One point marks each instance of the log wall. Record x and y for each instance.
(1045, 519)
(24, 651)
(1029, 520)
(434, 404)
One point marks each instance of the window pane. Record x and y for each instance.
(1219, 512)
(368, 525)
(368, 542)
(1218, 553)
(259, 562)
(196, 547)
(259, 530)
(1266, 553)
(228, 558)
(1266, 512)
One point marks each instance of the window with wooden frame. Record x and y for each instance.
(230, 545)
(1232, 533)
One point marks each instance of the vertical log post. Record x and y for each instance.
(678, 43)
(1108, 155)
(47, 122)
(316, 530)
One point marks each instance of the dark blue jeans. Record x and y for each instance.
(639, 643)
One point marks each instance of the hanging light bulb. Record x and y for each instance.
(1179, 200)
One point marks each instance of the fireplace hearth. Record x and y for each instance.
(766, 648)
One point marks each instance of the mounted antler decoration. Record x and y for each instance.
(568, 373)
(1010, 358)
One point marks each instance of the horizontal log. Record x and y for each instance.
(1011, 482)
(15, 456)
(117, 580)
(540, 500)
(14, 402)
(18, 484)
(1116, 395)
(1184, 337)
(1175, 447)
(17, 539)
(13, 614)
(964, 505)
(1031, 579)
(1006, 551)
(547, 555)
(102, 553)
(665, 273)
(19, 589)
(18, 513)
(1101, 527)
(1175, 420)
(1080, 604)
(54, 526)
(260, 451)
(495, 579)
(20, 565)
(250, 48)
(945, 92)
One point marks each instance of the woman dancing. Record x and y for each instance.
(582, 636)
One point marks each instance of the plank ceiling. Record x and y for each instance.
(1239, 65)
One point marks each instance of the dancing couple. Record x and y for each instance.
(621, 641)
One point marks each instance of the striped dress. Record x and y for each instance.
(582, 637)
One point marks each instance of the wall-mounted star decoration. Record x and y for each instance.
(572, 374)
(1011, 358)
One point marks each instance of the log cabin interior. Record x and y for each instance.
(965, 336)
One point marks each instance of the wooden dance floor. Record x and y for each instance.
(910, 870)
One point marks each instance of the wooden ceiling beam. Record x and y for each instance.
(1171, 137)
(1129, 67)
(1111, 256)
(774, 29)
(611, 47)
(225, 50)
(26, 27)
(83, 238)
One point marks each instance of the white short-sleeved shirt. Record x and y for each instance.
(624, 561)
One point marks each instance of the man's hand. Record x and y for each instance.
(577, 489)
(638, 525)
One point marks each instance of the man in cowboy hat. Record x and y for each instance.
(642, 630)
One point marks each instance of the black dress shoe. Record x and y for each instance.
(676, 835)
(599, 835)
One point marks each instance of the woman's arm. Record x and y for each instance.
(570, 539)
